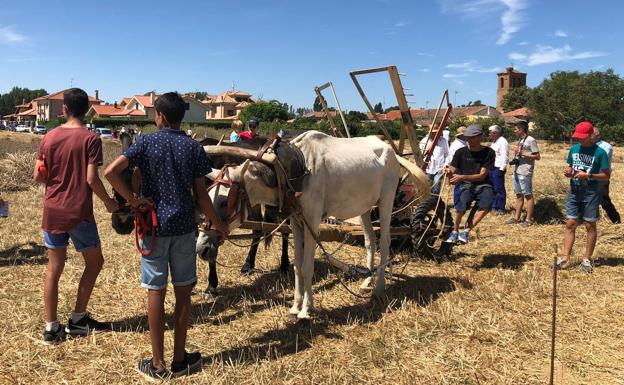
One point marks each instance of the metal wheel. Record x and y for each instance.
(430, 227)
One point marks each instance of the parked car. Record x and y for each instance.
(41, 130)
(22, 128)
(104, 133)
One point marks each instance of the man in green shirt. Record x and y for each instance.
(587, 164)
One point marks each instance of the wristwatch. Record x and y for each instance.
(590, 176)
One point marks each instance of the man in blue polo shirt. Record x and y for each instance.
(587, 164)
(171, 165)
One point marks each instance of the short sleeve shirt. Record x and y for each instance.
(468, 162)
(591, 159)
(169, 162)
(525, 165)
(68, 199)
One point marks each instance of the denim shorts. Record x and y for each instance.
(176, 253)
(522, 184)
(582, 203)
(84, 236)
(483, 194)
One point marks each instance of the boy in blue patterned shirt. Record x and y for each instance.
(171, 164)
(587, 164)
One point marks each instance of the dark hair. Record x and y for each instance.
(172, 106)
(77, 102)
(523, 125)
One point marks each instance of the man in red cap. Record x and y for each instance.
(587, 164)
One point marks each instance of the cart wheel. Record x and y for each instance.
(429, 220)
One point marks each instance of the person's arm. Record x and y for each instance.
(483, 173)
(533, 152)
(94, 181)
(583, 175)
(505, 155)
(205, 204)
(113, 175)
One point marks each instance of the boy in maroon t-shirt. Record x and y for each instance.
(67, 163)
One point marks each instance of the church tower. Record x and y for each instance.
(506, 81)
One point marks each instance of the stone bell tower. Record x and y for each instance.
(506, 81)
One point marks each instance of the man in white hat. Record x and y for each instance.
(497, 174)
(437, 161)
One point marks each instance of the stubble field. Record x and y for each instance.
(482, 318)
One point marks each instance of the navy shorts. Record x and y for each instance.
(84, 236)
(582, 203)
(483, 194)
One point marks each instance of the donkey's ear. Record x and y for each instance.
(214, 174)
(238, 172)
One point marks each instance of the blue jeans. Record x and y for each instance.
(84, 236)
(176, 253)
(497, 177)
(436, 182)
(582, 203)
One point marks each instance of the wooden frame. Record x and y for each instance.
(318, 90)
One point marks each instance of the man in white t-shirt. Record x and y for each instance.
(497, 174)
(436, 164)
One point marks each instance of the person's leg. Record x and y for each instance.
(481, 213)
(156, 322)
(484, 198)
(605, 202)
(93, 265)
(530, 207)
(56, 263)
(456, 193)
(154, 276)
(496, 178)
(519, 197)
(183, 276)
(568, 239)
(182, 313)
(592, 236)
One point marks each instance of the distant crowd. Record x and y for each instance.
(478, 174)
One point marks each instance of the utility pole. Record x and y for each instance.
(455, 100)
(71, 83)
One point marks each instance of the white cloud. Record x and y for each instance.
(454, 76)
(425, 70)
(472, 66)
(424, 54)
(523, 43)
(560, 33)
(512, 17)
(10, 37)
(400, 24)
(545, 54)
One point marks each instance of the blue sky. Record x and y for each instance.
(282, 49)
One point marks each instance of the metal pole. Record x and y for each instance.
(344, 122)
(554, 322)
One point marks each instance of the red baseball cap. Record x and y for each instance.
(583, 130)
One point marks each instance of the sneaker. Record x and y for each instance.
(452, 238)
(525, 224)
(85, 326)
(54, 337)
(587, 266)
(511, 221)
(149, 371)
(463, 236)
(563, 264)
(191, 364)
(500, 212)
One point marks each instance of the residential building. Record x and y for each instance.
(423, 117)
(51, 106)
(227, 105)
(25, 113)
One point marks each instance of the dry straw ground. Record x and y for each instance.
(481, 319)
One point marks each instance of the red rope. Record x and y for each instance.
(145, 224)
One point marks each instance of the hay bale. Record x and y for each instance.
(548, 211)
(16, 171)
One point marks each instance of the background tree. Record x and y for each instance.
(566, 98)
(392, 108)
(516, 98)
(378, 108)
(16, 96)
(265, 111)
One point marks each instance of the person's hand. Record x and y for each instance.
(136, 202)
(568, 172)
(456, 178)
(581, 175)
(111, 205)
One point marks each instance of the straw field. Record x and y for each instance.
(483, 318)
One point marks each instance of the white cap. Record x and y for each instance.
(495, 128)
(122, 130)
